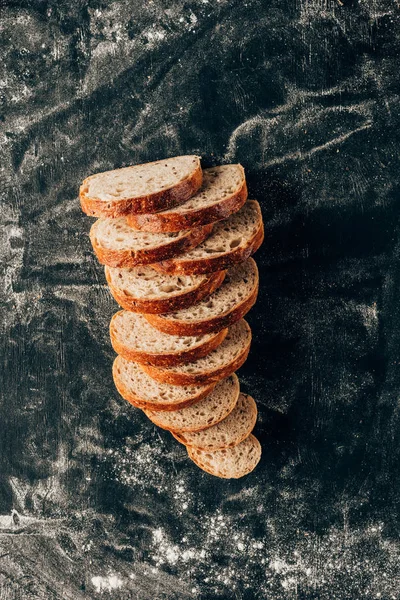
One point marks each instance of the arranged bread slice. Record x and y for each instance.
(142, 289)
(142, 188)
(118, 245)
(227, 305)
(210, 410)
(144, 392)
(221, 362)
(231, 242)
(135, 339)
(227, 433)
(222, 193)
(229, 463)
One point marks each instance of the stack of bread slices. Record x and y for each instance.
(176, 243)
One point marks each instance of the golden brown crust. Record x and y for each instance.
(251, 468)
(180, 435)
(138, 402)
(164, 222)
(216, 375)
(162, 200)
(144, 256)
(172, 303)
(198, 266)
(165, 360)
(175, 327)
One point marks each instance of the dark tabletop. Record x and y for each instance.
(305, 94)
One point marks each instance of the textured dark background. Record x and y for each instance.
(305, 95)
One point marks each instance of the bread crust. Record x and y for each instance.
(165, 359)
(161, 305)
(162, 200)
(198, 266)
(180, 435)
(174, 327)
(138, 402)
(144, 256)
(216, 375)
(255, 441)
(161, 222)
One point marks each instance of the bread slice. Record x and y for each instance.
(142, 289)
(142, 188)
(223, 192)
(227, 305)
(221, 362)
(227, 433)
(118, 245)
(210, 410)
(229, 463)
(144, 392)
(135, 339)
(231, 242)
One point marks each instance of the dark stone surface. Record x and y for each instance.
(306, 95)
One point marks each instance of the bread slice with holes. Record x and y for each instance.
(144, 188)
(229, 432)
(118, 245)
(135, 339)
(218, 364)
(224, 307)
(144, 392)
(229, 463)
(144, 290)
(222, 193)
(231, 242)
(208, 411)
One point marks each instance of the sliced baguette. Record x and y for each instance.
(223, 192)
(144, 290)
(229, 463)
(144, 392)
(231, 242)
(118, 245)
(218, 364)
(209, 411)
(227, 433)
(135, 339)
(227, 305)
(142, 188)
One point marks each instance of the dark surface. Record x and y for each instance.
(305, 95)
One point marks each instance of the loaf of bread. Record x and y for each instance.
(144, 290)
(208, 411)
(142, 391)
(223, 192)
(224, 307)
(231, 242)
(230, 431)
(219, 363)
(135, 339)
(143, 188)
(118, 245)
(229, 463)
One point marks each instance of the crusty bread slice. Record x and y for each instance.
(210, 410)
(144, 392)
(142, 289)
(221, 362)
(231, 242)
(223, 192)
(142, 188)
(227, 305)
(229, 463)
(135, 339)
(118, 245)
(227, 433)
